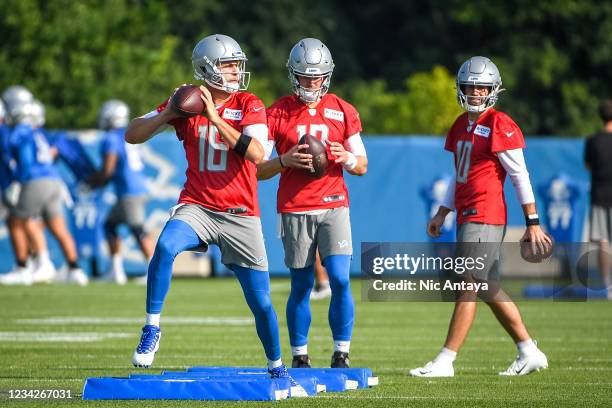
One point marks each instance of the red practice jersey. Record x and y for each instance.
(217, 177)
(479, 191)
(333, 120)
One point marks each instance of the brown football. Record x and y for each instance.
(529, 255)
(186, 100)
(319, 155)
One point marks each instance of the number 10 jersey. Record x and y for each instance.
(479, 190)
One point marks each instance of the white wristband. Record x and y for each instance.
(351, 163)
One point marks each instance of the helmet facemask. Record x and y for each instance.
(210, 72)
(308, 95)
(485, 101)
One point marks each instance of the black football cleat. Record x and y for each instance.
(301, 361)
(340, 359)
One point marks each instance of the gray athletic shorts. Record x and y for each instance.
(41, 198)
(601, 223)
(240, 238)
(128, 210)
(302, 234)
(477, 240)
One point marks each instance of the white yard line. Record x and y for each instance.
(60, 337)
(91, 320)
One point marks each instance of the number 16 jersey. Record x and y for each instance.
(218, 178)
(479, 189)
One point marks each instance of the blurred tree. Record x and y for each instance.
(427, 105)
(75, 55)
(554, 55)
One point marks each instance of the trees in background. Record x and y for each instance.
(396, 61)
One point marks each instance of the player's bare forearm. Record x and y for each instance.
(361, 168)
(529, 208)
(254, 152)
(268, 169)
(142, 129)
(443, 212)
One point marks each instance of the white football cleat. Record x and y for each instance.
(434, 369)
(524, 365)
(115, 276)
(320, 292)
(44, 273)
(19, 276)
(77, 276)
(141, 280)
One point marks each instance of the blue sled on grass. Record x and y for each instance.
(226, 383)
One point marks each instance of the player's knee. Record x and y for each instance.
(167, 248)
(260, 303)
(338, 270)
(339, 283)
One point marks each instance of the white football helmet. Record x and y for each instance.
(310, 58)
(37, 112)
(478, 71)
(16, 94)
(213, 50)
(16, 99)
(21, 114)
(113, 114)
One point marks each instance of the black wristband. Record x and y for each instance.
(280, 161)
(242, 144)
(532, 219)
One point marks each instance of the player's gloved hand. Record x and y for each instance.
(296, 160)
(434, 226)
(540, 242)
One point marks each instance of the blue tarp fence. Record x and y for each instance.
(407, 176)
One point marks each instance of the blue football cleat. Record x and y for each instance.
(148, 346)
(281, 372)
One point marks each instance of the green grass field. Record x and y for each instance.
(390, 338)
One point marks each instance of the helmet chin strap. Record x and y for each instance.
(476, 108)
(309, 96)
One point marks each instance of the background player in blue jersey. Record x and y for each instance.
(27, 270)
(42, 190)
(122, 166)
(7, 189)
